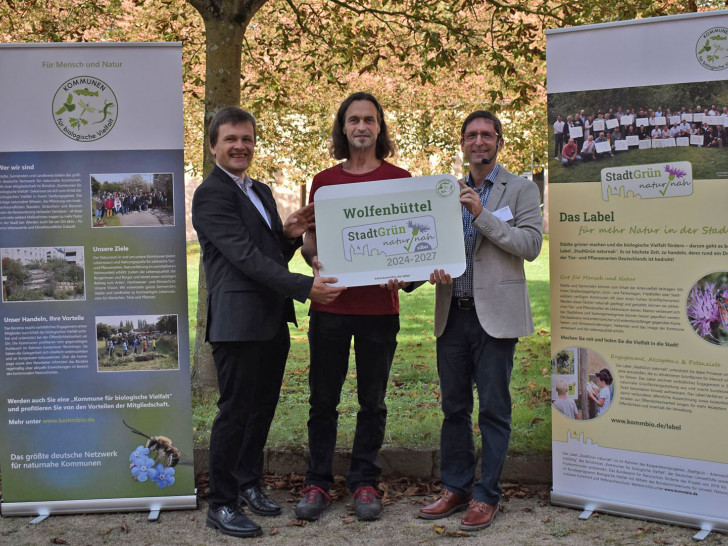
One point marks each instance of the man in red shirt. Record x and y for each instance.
(369, 314)
(569, 153)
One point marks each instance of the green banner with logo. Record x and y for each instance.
(638, 189)
(95, 409)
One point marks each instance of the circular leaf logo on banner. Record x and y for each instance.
(85, 108)
(444, 187)
(712, 48)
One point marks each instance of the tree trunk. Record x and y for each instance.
(225, 25)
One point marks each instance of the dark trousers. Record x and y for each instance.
(466, 354)
(249, 375)
(375, 340)
(559, 137)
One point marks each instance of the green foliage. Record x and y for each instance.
(24, 294)
(57, 294)
(112, 187)
(167, 323)
(103, 330)
(167, 345)
(62, 271)
(14, 272)
(68, 106)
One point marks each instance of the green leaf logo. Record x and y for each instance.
(85, 108)
(710, 49)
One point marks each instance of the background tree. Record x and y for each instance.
(163, 182)
(167, 323)
(409, 53)
(103, 331)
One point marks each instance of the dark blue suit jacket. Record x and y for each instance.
(250, 289)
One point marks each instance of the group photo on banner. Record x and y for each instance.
(591, 126)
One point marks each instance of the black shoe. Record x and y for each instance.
(258, 502)
(230, 520)
(367, 505)
(314, 502)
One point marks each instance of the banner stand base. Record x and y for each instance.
(706, 524)
(586, 514)
(153, 505)
(39, 519)
(702, 535)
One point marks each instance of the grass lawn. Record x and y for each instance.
(413, 397)
(161, 360)
(707, 162)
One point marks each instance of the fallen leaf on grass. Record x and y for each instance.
(348, 520)
(660, 541)
(56, 540)
(594, 515)
(527, 509)
(273, 531)
(536, 420)
(546, 519)
(296, 523)
(439, 529)
(106, 532)
(123, 527)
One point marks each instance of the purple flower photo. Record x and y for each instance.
(707, 308)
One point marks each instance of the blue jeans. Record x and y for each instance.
(466, 354)
(375, 340)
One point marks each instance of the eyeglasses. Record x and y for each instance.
(485, 135)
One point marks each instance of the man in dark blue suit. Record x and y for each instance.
(245, 252)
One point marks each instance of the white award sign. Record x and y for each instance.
(370, 232)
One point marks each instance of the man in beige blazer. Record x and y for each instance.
(479, 317)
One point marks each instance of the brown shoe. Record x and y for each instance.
(448, 503)
(479, 516)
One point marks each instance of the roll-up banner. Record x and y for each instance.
(95, 410)
(638, 209)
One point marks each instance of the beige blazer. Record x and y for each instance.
(499, 282)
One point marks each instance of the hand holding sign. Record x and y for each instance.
(299, 222)
(470, 199)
